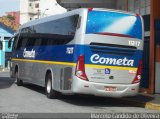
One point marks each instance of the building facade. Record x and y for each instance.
(7, 30)
(35, 9)
(16, 15)
(141, 7)
(151, 58)
(5, 52)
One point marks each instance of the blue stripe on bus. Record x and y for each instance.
(59, 53)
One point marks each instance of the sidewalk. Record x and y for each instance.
(4, 70)
(145, 100)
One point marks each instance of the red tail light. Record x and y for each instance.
(90, 9)
(139, 73)
(80, 69)
(137, 14)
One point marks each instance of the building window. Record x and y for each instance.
(37, 5)
(1, 45)
(7, 38)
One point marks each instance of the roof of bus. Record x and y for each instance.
(53, 17)
(49, 18)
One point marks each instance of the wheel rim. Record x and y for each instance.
(49, 86)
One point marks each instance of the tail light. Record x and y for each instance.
(139, 73)
(80, 69)
(90, 9)
(138, 15)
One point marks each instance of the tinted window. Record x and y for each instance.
(115, 23)
(31, 42)
(15, 43)
(22, 42)
(7, 38)
(57, 32)
(38, 42)
(64, 26)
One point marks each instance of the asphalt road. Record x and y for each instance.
(32, 99)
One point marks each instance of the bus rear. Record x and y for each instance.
(109, 58)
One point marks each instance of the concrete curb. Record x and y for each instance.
(153, 106)
(147, 105)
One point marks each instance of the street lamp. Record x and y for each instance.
(44, 12)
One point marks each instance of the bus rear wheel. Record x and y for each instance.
(18, 81)
(50, 93)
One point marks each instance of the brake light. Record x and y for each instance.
(90, 9)
(139, 73)
(138, 15)
(80, 68)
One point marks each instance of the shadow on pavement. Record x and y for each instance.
(97, 102)
(36, 88)
(6, 82)
(83, 100)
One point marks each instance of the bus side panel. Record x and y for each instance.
(61, 75)
(34, 70)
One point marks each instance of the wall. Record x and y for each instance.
(16, 15)
(24, 11)
(49, 7)
(142, 7)
(4, 33)
(29, 11)
(137, 6)
(156, 16)
(157, 68)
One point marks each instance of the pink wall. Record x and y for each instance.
(16, 15)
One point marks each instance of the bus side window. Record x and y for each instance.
(79, 22)
(24, 42)
(31, 42)
(38, 41)
(19, 44)
(50, 42)
(37, 44)
(15, 43)
(44, 42)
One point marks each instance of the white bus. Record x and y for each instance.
(84, 51)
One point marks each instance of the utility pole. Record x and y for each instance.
(44, 12)
(38, 13)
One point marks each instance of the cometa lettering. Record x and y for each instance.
(111, 61)
(29, 54)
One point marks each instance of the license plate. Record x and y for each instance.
(112, 89)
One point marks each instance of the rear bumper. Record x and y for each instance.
(98, 89)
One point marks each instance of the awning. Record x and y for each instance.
(72, 4)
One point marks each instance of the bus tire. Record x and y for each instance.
(18, 81)
(50, 93)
